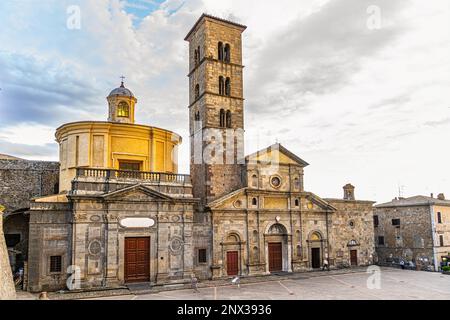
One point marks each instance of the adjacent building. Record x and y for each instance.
(415, 229)
(20, 181)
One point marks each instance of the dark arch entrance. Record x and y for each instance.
(16, 228)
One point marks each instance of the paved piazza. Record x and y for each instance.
(396, 284)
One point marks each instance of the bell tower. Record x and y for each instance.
(216, 107)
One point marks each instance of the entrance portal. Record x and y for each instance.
(354, 257)
(232, 263)
(315, 258)
(275, 257)
(137, 260)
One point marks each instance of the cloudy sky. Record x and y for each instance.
(360, 89)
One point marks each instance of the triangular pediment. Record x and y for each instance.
(318, 203)
(137, 193)
(230, 201)
(276, 154)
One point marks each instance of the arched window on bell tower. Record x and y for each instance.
(222, 118)
(195, 57)
(220, 51)
(197, 92)
(228, 119)
(228, 87)
(221, 86)
(227, 53)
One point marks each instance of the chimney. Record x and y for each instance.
(432, 195)
(441, 196)
(349, 192)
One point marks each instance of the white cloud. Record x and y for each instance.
(28, 133)
(367, 107)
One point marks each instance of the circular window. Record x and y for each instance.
(352, 224)
(238, 204)
(275, 182)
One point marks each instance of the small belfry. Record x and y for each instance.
(122, 104)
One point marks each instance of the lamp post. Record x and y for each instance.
(7, 289)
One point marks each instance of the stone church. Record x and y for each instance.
(124, 215)
(257, 218)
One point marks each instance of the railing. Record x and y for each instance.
(135, 175)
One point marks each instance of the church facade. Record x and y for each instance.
(259, 217)
(124, 214)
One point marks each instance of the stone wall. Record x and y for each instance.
(351, 229)
(50, 235)
(412, 241)
(21, 180)
(202, 239)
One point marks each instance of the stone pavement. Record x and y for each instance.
(345, 284)
(395, 284)
(143, 290)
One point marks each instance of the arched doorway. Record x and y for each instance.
(232, 247)
(277, 249)
(315, 250)
(15, 228)
(353, 247)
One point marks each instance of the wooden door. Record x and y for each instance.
(354, 257)
(137, 260)
(315, 258)
(275, 257)
(232, 263)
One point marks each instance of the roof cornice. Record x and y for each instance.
(207, 16)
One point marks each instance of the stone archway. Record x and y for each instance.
(315, 249)
(278, 251)
(232, 254)
(16, 228)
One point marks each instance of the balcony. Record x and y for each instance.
(124, 175)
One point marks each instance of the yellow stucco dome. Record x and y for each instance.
(118, 144)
